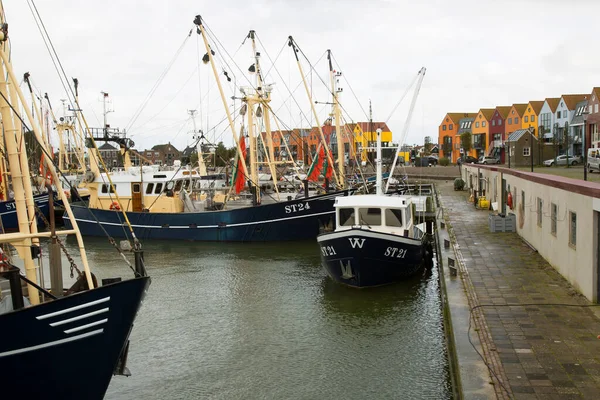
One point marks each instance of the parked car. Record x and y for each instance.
(467, 159)
(562, 160)
(489, 160)
(593, 160)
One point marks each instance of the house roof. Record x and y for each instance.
(553, 103)
(596, 91)
(165, 147)
(516, 135)
(107, 146)
(488, 113)
(572, 99)
(520, 108)
(580, 109)
(503, 111)
(536, 106)
(456, 117)
(366, 126)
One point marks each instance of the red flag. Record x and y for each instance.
(239, 178)
(315, 168)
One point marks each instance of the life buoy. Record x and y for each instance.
(509, 200)
(115, 206)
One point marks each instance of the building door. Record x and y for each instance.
(136, 196)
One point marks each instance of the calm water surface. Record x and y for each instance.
(246, 321)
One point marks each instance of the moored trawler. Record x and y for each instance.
(58, 344)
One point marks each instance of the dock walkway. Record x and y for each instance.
(539, 337)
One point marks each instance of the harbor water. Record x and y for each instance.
(263, 321)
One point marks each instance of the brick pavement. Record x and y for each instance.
(536, 351)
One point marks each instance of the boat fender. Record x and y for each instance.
(115, 206)
(509, 200)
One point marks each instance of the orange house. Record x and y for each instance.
(514, 118)
(531, 116)
(480, 131)
(448, 138)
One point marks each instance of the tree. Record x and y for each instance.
(447, 148)
(466, 142)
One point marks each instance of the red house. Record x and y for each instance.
(497, 134)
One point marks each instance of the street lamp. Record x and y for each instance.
(555, 142)
(584, 151)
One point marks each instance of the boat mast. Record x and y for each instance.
(197, 136)
(312, 106)
(264, 96)
(21, 217)
(407, 124)
(18, 176)
(379, 163)
(209, 53)
(334, 77)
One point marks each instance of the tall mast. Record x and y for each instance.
(334, 76)
(312, 106)
(209, 54)
(379, 164)
(197, 136)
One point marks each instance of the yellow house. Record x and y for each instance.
(531, 116)
(365, 136)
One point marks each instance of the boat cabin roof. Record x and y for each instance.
(373, 201)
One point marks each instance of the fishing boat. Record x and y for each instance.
(376, 240)
(162, 204)
(54, 344)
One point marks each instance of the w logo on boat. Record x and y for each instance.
(356, 242)
(346, 269)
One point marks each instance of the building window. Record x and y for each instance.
(516, 120)
(526, 118)
(450, 127)
(539, 211)
(476, 124)
(443, 127)
(493, 122)
(526, 151)
(499, 122)
(596, 107)
(532, 118)
(483, 124)
(558, 114)
(553, 213)
(572, 228)
(510, 121)
(590, 109)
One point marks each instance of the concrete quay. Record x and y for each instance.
(517, 328)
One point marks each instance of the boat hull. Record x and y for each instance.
(44, 357)
(299, 219)
(364, 258)
(8, 212)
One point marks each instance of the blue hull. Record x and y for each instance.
(8, 212)
(362, 258)
(299, 219)
(68, 348)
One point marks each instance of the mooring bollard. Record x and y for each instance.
(446, 244)
(453, 270)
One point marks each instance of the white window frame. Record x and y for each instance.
(526, 151)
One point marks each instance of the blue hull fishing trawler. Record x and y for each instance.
(8, 212)
(57, 343)
(163, 203)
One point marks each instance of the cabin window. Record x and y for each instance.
(186, 184)
(178, 185)
(136, 188)
(105, 188)
(169, 186)
(149, 188)
(158, 189)
(346, 216)
(369, 216)
(393, 217)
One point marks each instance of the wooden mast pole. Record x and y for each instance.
(49, 164)
(312, 106)
(198, 23)
(338, 119)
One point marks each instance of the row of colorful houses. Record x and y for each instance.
(359, 139)
(555, 122)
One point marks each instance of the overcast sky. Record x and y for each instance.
(478, 54)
